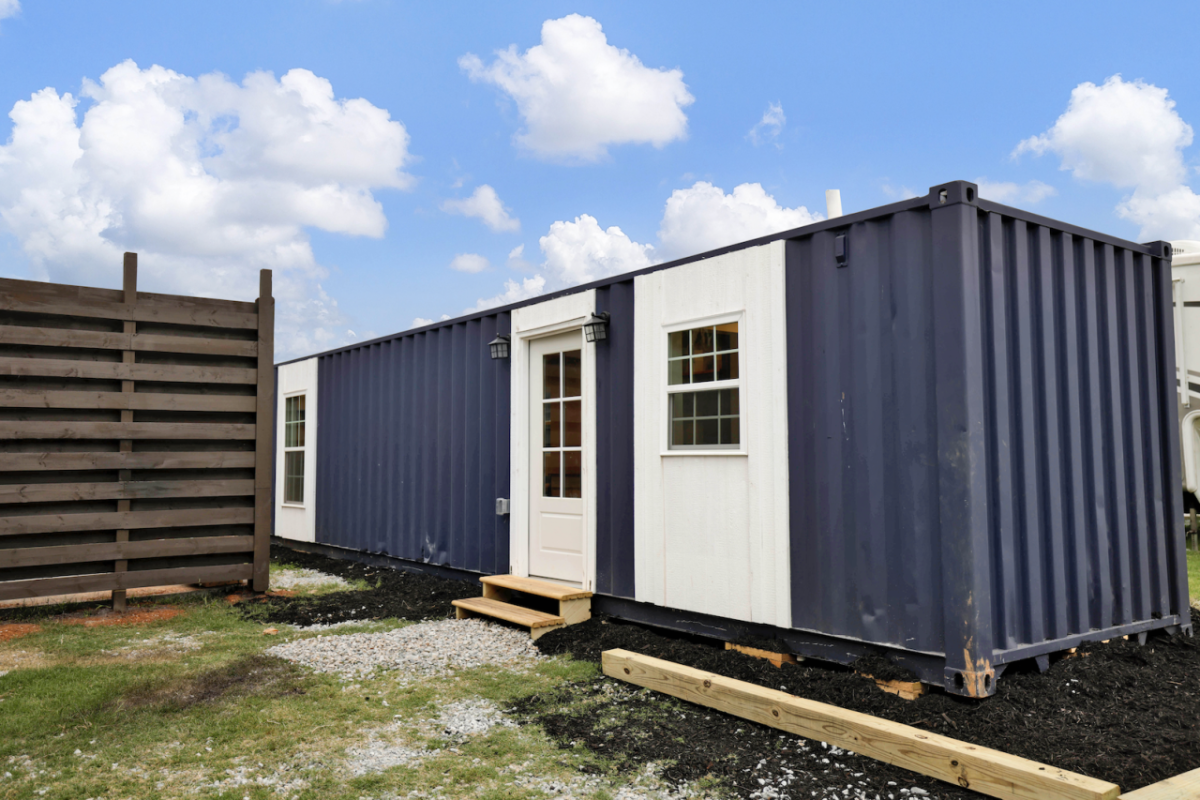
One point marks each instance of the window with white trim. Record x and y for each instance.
(708, 418)
(293, 449)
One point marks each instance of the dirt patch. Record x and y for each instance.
(133, 616)
(16, 630)
(395, 594)
(1127, 713)
(259, 675)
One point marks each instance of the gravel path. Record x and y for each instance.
(301, 578)
(419, 651)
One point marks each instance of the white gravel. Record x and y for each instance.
(417, 651)
(471, 718)
(301, 578)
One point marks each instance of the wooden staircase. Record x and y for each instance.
(574, 605)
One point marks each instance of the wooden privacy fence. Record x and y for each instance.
(135, 438)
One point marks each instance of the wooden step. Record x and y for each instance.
(517, 615)
(555, 591)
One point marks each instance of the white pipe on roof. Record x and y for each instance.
(833, 202)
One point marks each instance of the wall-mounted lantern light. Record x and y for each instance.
(596, 327)
(499, 346)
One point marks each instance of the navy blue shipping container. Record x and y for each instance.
(943, 430)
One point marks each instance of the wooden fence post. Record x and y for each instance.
(264, 433)
(129, 284)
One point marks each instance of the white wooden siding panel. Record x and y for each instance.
(293, 522)
(712, 532)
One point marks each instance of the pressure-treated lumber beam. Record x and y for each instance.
(228, 459)
(970, 766)
(1181, 787)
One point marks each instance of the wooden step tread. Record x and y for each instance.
(508, 612)
(555, 591)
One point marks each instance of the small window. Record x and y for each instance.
(293, 449)
(708, 418)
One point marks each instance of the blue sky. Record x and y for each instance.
(877, 100)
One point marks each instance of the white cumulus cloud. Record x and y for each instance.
(469, 262)
(1009, 192)
(578, 94)
(704, 217)
(208, 180)
(769, 127)
(9, 8)
(694, 220)
(1128, 134)
(485, 205)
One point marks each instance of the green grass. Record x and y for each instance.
(185, 700)
(1193, 568)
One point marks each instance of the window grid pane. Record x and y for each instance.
(293, 477)
(702, 355)
(705, 419)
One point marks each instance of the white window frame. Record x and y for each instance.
(738, 383)
(299, 449)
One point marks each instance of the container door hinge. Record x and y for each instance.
(501, 506)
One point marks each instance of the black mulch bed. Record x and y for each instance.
(1121, 712)
(396, 594)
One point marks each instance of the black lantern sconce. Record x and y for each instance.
(499, 346)
(596, 327)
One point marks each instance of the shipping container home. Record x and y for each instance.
(944, 430)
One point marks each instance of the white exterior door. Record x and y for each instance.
(556, 458)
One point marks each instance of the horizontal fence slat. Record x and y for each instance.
(68, 429)
(124, 520)
(151, 343)
(56, 368)
(127, 490)
(134, 401)
(43, 587)
(111, 551)
(35, 462)
(76, 301)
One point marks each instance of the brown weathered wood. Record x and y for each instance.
(134, 579)
(67, 429)
(264, 446)
(129, 327)
(34, 462)
(121, 490)
(104, 370)
(141, 401)
(1180, 787)
(80, 301)
(109, 551)
(129, 520)
(128, 340)
(971, 766)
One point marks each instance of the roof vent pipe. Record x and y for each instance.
(833, 203)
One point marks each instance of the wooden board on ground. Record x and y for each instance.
(970, 766)
(1181, 787)
(778, 659)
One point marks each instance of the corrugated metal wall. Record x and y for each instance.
(983, 448)
(614, 445)
(1081, 497)
(866, 547)
(413, 438)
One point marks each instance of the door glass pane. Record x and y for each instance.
(573, 429)
(702, 369)
(551, 425)
(573, 473)
(551, 479)
(677, 344)
(572, 374)
(550, 376)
